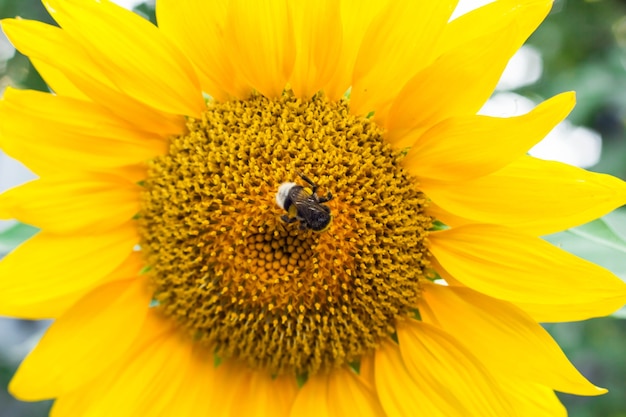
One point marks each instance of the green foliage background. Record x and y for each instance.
(583, 45)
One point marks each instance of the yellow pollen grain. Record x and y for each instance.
(249, 287)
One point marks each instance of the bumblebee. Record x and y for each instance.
(307, 208)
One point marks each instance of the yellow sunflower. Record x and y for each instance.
(251, 210)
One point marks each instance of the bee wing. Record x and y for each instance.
(306, 205)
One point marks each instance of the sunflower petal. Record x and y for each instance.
(512, 266)
(436, 212)
(65, 265)
(56, 305)
(143, 382)
(466, 147)
(537, 197)
(533, 400)
(70, 134)
(226, 395)
(348, 395)
(527, 14)
(547, 313)
(511, 20)
(538, 312)
(336, 394)
(84, 341)
(399, 394)
(312, 398)
(473, 68)
(187, 22)
(429, 353)
(366, 371)
(54, 47)
(57, 81)
(139, 59)
(398, 43)
(68, 203)
(318, 34)
(430, 363)
(198, 383)
(516, 346)
(356, 16)
(265, 396)
(262, 34)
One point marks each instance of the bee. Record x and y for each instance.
(307, 208)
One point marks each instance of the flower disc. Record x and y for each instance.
(248, 285)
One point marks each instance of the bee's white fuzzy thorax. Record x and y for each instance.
(283, 193)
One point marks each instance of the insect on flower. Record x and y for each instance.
(307, 208)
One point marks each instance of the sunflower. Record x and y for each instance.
(399, 270)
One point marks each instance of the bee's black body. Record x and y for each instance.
(307, 208)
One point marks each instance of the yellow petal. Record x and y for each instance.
(56, 305)
(466, 147)
(130, 268)
(54, 47)
(511, 19)
(70, 134)
(533, 400)
(318, 36)
(337, 393)
(197, 28)
(139, 59)
(266, 396)
(65, 265)
(199, 381)
(260, 36)
(150, 383)
(399, 393)
(548, 313)
(446, 217)
(312, 398)
(84, 341)
(66, 203)
(232, 383)
(356, 16)
(144, 382)
(366, 371)
(135, 173)
(537, 197)
(538, 312)
(348, 395)
(398, 43)
(458, 83)
(515, 267)
(437, 361)
(503, 338)
(57, 81)
(527, 14)
(436, 376)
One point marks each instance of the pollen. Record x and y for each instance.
(247, 286)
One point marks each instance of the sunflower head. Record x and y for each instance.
(248, 284)
(263, 200)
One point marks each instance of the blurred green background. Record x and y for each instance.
(582, 46)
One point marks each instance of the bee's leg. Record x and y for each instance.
(288, 219)
(328, 197)
(310, 182)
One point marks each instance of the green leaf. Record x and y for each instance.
(10, 238)
(602, 241)
(599, 232)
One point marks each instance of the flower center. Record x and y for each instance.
(275, 294)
